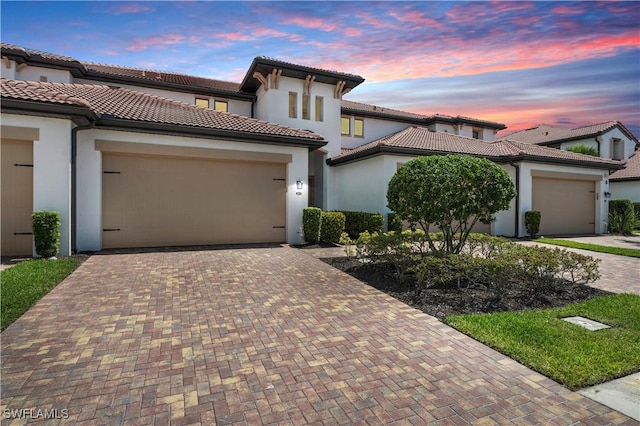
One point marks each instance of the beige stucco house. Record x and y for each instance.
(143, 158)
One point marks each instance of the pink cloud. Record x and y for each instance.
(129, 8)
(568, 10)
(310, 22)
(156, 41)
(416, 18)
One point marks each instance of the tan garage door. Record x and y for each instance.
(168, 201)
(567, 206)
(17, 197)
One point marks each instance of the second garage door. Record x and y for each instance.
(567, 206)
(167, 201)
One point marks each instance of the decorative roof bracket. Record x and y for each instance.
(307, 84)
(262, 80)
(7, 62)
(339, 91)
(275, 78)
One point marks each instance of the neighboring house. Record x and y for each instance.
(141, 158)
(625, 183)
(610, 139)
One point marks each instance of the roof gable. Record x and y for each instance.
(545, 134)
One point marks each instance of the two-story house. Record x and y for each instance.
(143, 158)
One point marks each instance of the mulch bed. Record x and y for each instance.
(441, 302)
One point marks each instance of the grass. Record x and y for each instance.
(565, 352)
(22, 285)
(591, 247)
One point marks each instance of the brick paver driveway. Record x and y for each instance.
(260, 336)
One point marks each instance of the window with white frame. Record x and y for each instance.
(358, 127)
(293, 100)
(345, 126)
(222, 106)
(306, 113)
(319, 108)
(202, 102)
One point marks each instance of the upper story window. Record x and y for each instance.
(476, 133)
(319, 108)
(293, 100)
(617, 149)
(222, 106)
(306, 113)
(345, 126)
(202, 102)
(358, 127)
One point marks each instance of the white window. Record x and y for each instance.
(476, 133)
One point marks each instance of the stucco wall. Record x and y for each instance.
(605, 144)
(568, 172)
(90, 178)
(34, 73)
(51, 169)
(625, 190)
(361, 186)
(373, 129)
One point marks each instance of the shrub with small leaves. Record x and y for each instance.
(311, 224)
(583, 149)
(394, 223)
(46, 232)
(358, 222)
(532, 222)
(332, 227)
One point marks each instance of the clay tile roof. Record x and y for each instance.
(545, 133)
(162, 76)
(126, 104)
(352, 106)
(279, 61)
(421, 141)
(12, 48)
(631, 169)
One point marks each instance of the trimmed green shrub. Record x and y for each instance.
(636, 211)
(331, 227)
(311, 224)
(46, 232)
(621, 217)
(394, 223)
(358, 222)
(532, 222)
(583, 149)
(451, 192)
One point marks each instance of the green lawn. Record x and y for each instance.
(591, 247)
(565, 352)
(22, 285)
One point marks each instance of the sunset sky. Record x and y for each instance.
(519, 63)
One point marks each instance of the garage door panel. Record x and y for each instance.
(567, 206)
(159, 201)
(17, 197)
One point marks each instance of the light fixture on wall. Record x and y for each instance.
(299, 184)
(607, 195)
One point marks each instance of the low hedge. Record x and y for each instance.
(332, 227)
(532, 222)
(46, 232)
(359, 222)
(311, 224)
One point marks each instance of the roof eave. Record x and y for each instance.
(114, 78)
(108, 122)
(250, 85)
(624, 179)
(80, 115)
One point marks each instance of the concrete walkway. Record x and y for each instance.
(259, 336)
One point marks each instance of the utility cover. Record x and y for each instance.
(586, 323)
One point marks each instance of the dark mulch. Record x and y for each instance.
(441, 302)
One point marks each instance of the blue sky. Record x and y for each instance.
(520, 63)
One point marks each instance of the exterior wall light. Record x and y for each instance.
(607, 195)
(299, 184)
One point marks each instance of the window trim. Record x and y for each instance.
(220, 101)
(293, 104)
(355, 135)
(200, 98)
(319, 112)
(343, 117)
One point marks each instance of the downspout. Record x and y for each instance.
(598, 140)
(517, 167)
(74, 152)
